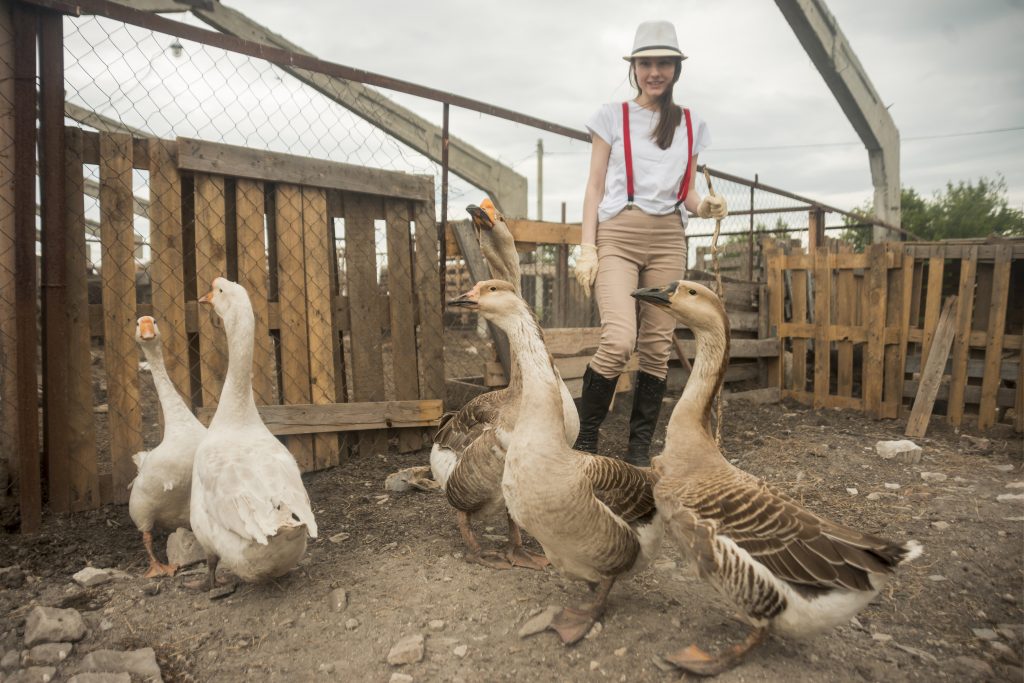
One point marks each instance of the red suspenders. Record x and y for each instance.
(684, 186)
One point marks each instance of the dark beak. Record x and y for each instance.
(463, 301)
(659, 296)
(481, 221)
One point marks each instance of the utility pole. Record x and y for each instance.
(540, 179)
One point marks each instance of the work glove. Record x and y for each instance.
(586, 267)
(713, 206)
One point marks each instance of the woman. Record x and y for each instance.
(642, 170)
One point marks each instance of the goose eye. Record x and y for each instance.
(494, 289)
(693, 291)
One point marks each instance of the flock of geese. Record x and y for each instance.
(596, 518)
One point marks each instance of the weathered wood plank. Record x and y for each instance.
(936, 266)
(167, 268)
(1018, 403)
(9, 448)
(345, 417)
(291, 264)
(978, 339)
(876, 295)
(211, 263)
(773, 277)
(366, 316)
(430, 334)
(799, 298)
(118, 272)
(823, 323)
(845, 293)
(404, 367)
(961, 347)
(480, 270)
(83, 483)
(1000, 295)
(892, 380)
(975, 367)
(318, 249)
(543, 232)
(244, 162)
(253, 274)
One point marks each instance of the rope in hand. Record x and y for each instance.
(721, 295)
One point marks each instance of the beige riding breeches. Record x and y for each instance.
(635, 249)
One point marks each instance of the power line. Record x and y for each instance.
(849, 144)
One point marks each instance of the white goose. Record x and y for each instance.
(160, 491)
(467, 457)
(784, 567)
(250, 510)
(594, 516)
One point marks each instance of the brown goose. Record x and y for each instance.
(785, 568)
(594, 516)
(467, 457)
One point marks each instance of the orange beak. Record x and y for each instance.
(147, 330)
(206, 298)
(488, 206)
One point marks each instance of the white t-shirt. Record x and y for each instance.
(657, 172)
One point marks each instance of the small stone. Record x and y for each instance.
(33, 674)
(974, 444)
(183, 549)
(1015, 485)
(891, 486)
(101, 678)
(852, 490)
(399, 677)
(819, 449)
(408, 650)
(338, 599)
(351, 624)
(937, 578)
(664, 564)
(1010, 598)
(594, 631)
(539, 622)
(436, 624)
(874, 495)
(49, 653)
(222, 592)
(1009, 632)
(985, 634)
(881, 637)
(1002, 468)
(621, 652)
(141, 662)
(1011, 498)
(904, 451)
(106, 625)
(339, 537)
(975, 668)
(460, 651)
(933, 477)
(91, 576)
(53, 625)
(12, 577)
(594, 665)
(940, 526)
(1004, 652)
(327, 667)
(10, 660)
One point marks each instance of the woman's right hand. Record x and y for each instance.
(586, 267)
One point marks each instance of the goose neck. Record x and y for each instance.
(237, 405)
(172, 406)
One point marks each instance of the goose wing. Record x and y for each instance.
(796, 545)
(459, 429)
(626, 490)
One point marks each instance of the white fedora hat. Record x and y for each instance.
(655, 39)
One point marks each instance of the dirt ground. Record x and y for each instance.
(398, 556)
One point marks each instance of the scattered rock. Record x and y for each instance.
(460, 651)
(338, 538)
(106, 625)
(10, 660)
(937, 578)
(621, 652)
(940, 526)
(351, 624)
(436, 624)
(881, 637)
(1010, 632)
(985, 634)
(664, 564)
(1011, 498)
(852, 491)
(594, 665)
(183, 549)
(663, 665)
(1015, 485)
(933, 477)
(539, 622)
(904, 451)
(101, 678)
(891, 486)
(92, 576)
(141, 662)
(973, 668)
(1004, 652)
(49, 653)
(594, 631)
(400, 678)
(408, 650)
(412, 479)
(974, 444)
(222, 592)
(879, 495)
(818, 449)
(53, 625)
(33, 674)
(920, 654)
(327, 668)
(12, 577)
(1002, 468)
(338, 599)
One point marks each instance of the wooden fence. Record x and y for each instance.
(323, 364)
(876, 314)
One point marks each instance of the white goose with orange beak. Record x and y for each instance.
(250, 510)
(160, 491)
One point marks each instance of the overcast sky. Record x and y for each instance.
(946, 67)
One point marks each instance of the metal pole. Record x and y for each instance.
(540, 180)
(444, 201)
(750, 238)
(29, 484)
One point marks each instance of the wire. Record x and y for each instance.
(848, 144)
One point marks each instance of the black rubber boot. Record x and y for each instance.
(646, 407)
(598, 391)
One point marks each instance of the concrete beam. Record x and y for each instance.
(819, 33)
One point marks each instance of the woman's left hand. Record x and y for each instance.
(713, 206)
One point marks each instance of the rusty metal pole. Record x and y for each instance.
(54, 281)
(29, 487)
(444, 202)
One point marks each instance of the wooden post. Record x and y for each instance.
(815, 229)
(773, 276)
(799, 292)
(846, 292)
(430, 335)
(822, 326)
(962, 343)
(936, 264)
(479, 270)
(990, 382)
(931, 374)
(874, 359)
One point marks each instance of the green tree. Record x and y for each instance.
(963, 210)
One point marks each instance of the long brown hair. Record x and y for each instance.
(669, 113)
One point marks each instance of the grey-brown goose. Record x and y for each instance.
(784, 567)
(594, 516)
(467, 456)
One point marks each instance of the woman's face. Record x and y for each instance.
(654, 75)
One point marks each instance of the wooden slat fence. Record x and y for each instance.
(348, 350)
